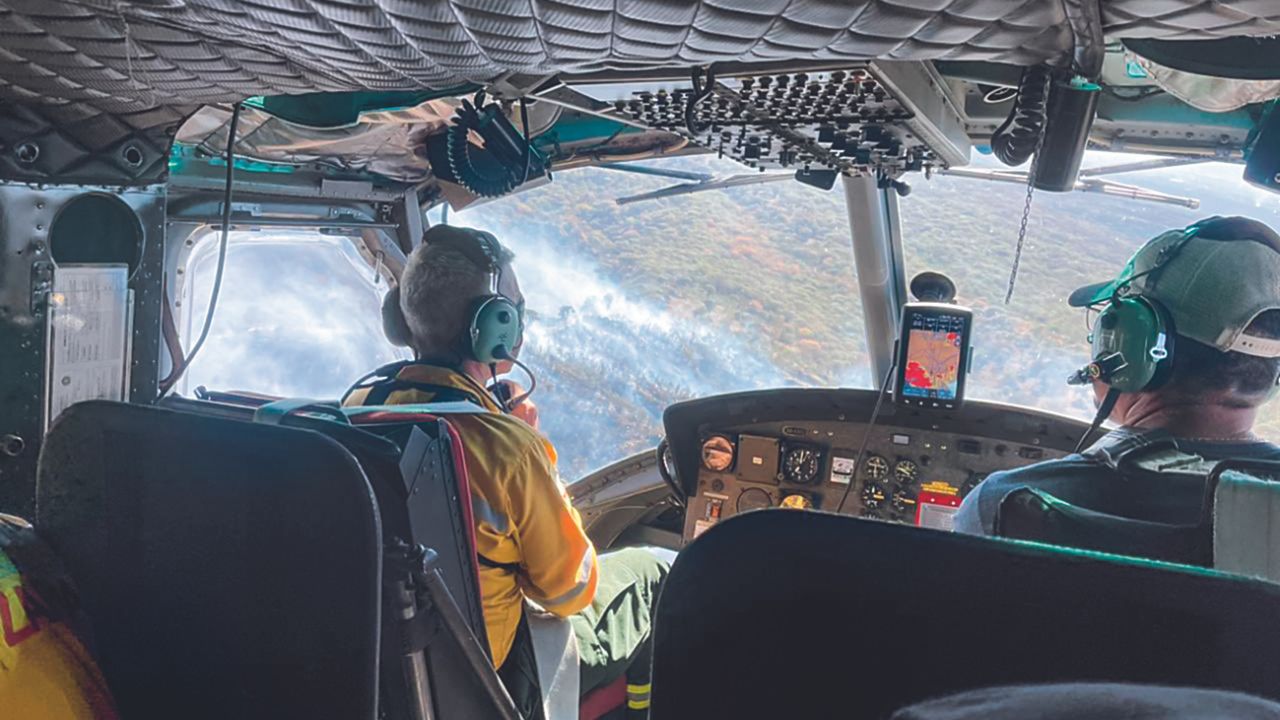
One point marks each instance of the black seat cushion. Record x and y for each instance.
(230, 570)
(799, 614)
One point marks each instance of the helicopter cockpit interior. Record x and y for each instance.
(142, 144)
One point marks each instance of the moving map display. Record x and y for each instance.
(931, 365)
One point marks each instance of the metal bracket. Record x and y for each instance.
(41, 284)
(345, 188)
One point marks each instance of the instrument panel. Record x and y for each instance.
(800, 449)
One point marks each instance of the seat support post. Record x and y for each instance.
(417, 680)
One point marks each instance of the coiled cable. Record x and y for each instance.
(695, 98)
(1014, 142)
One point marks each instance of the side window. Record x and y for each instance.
(298, 315)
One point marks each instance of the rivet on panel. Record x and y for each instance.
(12, 445)
(27, 153)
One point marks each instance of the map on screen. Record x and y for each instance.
(933, 356)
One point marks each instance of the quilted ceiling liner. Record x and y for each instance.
(98, 70)
(119, 54)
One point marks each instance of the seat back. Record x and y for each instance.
(1033, 514)
(802, 614)
(415, 464)
(435, 511)
(229, 570)
(433, 504)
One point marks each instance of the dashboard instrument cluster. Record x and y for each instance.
(800, 449)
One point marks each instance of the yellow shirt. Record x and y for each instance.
(45, 671)
(523, 516)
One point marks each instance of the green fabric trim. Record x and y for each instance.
(1038, 548)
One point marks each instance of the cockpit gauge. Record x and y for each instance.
(905, 472)
(797, 502)
(754, 499)
(904, 501)
(876, 468)
(873, 495)
(717, 453)
(800, 464)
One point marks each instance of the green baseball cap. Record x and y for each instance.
(1214, 278)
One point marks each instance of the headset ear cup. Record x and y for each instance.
(1141, 332)
(495, 323)
(394, 325)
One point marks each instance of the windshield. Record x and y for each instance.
(636, 306)
(631, 307)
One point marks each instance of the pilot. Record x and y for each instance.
(1218, 283)
(529, 539)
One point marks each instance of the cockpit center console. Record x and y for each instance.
(799, 448)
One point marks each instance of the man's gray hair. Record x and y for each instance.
(438, 287)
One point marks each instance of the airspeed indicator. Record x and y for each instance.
(905, 471)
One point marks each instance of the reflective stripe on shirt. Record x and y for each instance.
(484, 512)
(584, 580)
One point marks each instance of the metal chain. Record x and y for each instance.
(1026, 216)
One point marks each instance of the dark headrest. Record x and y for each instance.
(784, 613)
(228, 569)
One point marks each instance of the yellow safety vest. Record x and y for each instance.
(45, 671)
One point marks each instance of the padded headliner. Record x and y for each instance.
(116, 54)
(102, 70)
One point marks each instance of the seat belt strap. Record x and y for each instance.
(509, 567)
(380, 391)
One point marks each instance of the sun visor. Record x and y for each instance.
(1209, 93)
(383, 142)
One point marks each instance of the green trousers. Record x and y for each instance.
(613, 634)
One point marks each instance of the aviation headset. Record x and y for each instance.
(496, 327)
(496, 324)
(494, 331)
(1133, 337)
(1133, 343)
